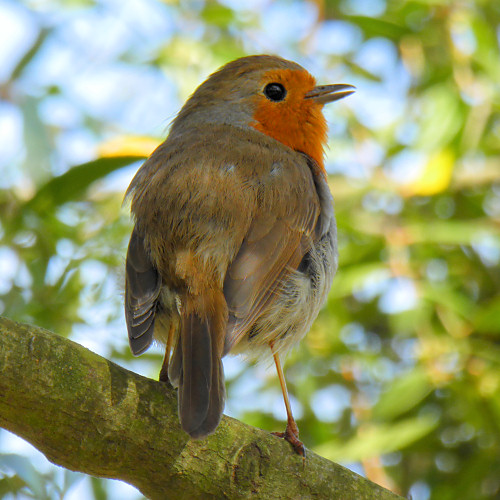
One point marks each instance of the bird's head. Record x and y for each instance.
(274, 96)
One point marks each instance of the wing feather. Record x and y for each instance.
(142, 290)
(272, 249)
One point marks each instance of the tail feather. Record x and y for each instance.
(196, 378)
(197, 367)
(216, 403)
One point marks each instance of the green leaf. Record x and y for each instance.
(72, 184)
(487, 53)
(455, 232)
(25, 470)
(353, 277)
(217, 14)
(374, 27)
(30, 54)
(451, 299)
(358, 70)
(443, 100)
(487, 318)
(10, 484)
(99, 488)
(375, 440)
(405, 393)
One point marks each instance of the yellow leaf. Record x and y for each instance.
(127, 145)
(435, 176)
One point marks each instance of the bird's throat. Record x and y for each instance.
(299, 125)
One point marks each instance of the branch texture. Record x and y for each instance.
(88, 414)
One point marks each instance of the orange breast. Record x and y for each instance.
(296, 122)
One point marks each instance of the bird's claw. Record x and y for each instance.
(291, 435)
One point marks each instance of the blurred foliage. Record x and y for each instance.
(29, 482)
(399, 378)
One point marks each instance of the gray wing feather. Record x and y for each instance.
(142, 290)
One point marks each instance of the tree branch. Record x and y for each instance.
(90, 415)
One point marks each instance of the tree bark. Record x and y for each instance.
(88, 414)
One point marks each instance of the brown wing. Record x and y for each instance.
(272, 249)
(142, 289)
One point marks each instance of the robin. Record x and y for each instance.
(234, 245)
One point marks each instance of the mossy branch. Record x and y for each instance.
(88, 414)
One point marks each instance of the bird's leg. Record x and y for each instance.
(164, 367)
(291, 433)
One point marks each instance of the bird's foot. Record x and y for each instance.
(291, 434)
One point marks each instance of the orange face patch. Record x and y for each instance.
(296, 122)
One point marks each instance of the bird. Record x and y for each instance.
(233, 248)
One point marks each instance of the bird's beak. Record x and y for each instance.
(329, 93)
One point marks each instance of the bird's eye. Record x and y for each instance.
(275, 92)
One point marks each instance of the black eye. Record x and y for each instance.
(275, 91)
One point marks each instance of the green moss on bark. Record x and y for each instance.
(88, 414)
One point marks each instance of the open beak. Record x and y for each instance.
(329, 93)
